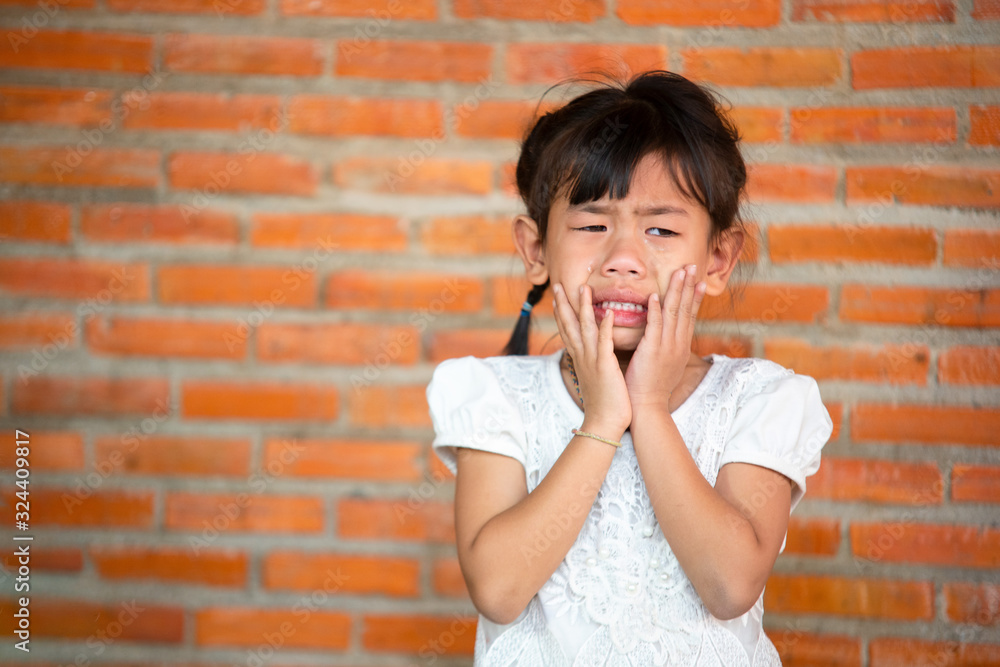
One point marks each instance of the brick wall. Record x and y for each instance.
(237, 235)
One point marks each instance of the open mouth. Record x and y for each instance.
(621, 306)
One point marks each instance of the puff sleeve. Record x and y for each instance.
(782, 428)
(469, 409)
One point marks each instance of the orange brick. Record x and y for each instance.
(34, 222)
(84, 507)
(345, 231)
(381, 10)
(874, 11)
(409, 60)
(836, 411)
(264, 287)
(814, 537)
(426, 635)
(986, 10)
(495, 119)
(972, 603)
(345, 459)
(869, 480)
(221, 399)
(51, 451)
(243, 55)
(843, 596)
(508, 294)
(97, 282)
(801, 649)
(76, 107)
(792, 183)
(368, 406)
(349, 116)
(759, 124)
(945, 545)
(171, 565)
(750, 14)
(139, 223)
(892, 364)
(74, 49)
(763, 66)
(448, 579)
(871, 125)
(408, 519)
(414, 175)
(927, 186)
(135, 620)
(972, 247)
(48, 333)
(172, 455)
(832, 243)
(552, 11)
(455, 343)
(222, 512)
(259, 173)
(90, 396)
(734, 346)
(206, 111)
(157, 337)
(301, 627)
(888, 652)
(975, 484)
(468, 235)
(365, 575)
(985, 123)
(768, 303)
(530, 62)
(66, 4)
(928, 424)
(219, 9)
(68, 166)
(370, 345)
(48, 560)
(920, 305)
(926, 66)
(969, 364)
(429, 293)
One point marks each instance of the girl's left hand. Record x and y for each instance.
(658, 362)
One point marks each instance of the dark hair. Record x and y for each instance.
(656, 112)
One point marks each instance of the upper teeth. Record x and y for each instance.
(622, 305)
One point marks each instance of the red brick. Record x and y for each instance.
(173, 455)
(468, 235)
(408, 60)
(428, 176)
(959, 66)
(135, 620)
(364, 575)
(495, 119)
(968, 364)
(76, 107)
(873, 125)
(351, 116)
(55, 331)
(273, 286)
(51, 451)
(223, 399)
(243, 55)
(889, 652)
(300, 627)
(454, 343)
(975, 484)
(813, 537)
(729, 346)
(139, 223)
(927, 424)
(769, 303)
(792, 183)
(256, 173)
(986, 10)
(759, 124)
(214, 7)
(978, 248)
(448, 579)
(892, 364)
(973, 603)
(425, 635)
(552, 11)
(920, 305)
(368, 406)
(944, 545)
(73, 49)
(764, 66)
(985, 122)
(397, 461)
(369, 345)
(406, 519)
(243, 512)
(171, 565)
(430, 293)
(346, 231)
(65, 4)
(67, 166)
(800, 649)
(833, 243)
(508, 294)
(98, 282)
(148, 337)
(84, 507)
(34, 222)
(869, 480)
(48, 560)
(843, 596)
(927, 186)
(368, 9)
(206, 111)
(715, 13)
(551, 62)
(874, 11)
(89, 396)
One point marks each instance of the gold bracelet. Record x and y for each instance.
(577, 431)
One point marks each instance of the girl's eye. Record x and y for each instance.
(593, 228)
(660, 231)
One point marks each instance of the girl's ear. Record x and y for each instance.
(723, 256)
(530, 247)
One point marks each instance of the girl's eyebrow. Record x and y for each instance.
(652, 209)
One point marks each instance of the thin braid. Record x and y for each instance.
(518, 343)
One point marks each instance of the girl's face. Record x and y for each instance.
(627, 249)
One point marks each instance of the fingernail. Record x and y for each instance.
(581, 289)
(557, 288)
(692, 268)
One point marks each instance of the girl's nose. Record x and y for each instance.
(625, 257)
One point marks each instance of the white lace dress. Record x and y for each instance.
(620, 597)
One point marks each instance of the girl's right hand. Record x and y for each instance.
(602, 385)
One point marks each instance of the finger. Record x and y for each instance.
(588, 322)
(687, 297)
(672, 303)
(699, 296)
(605, 336)
(654, 318)
(565, 320)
